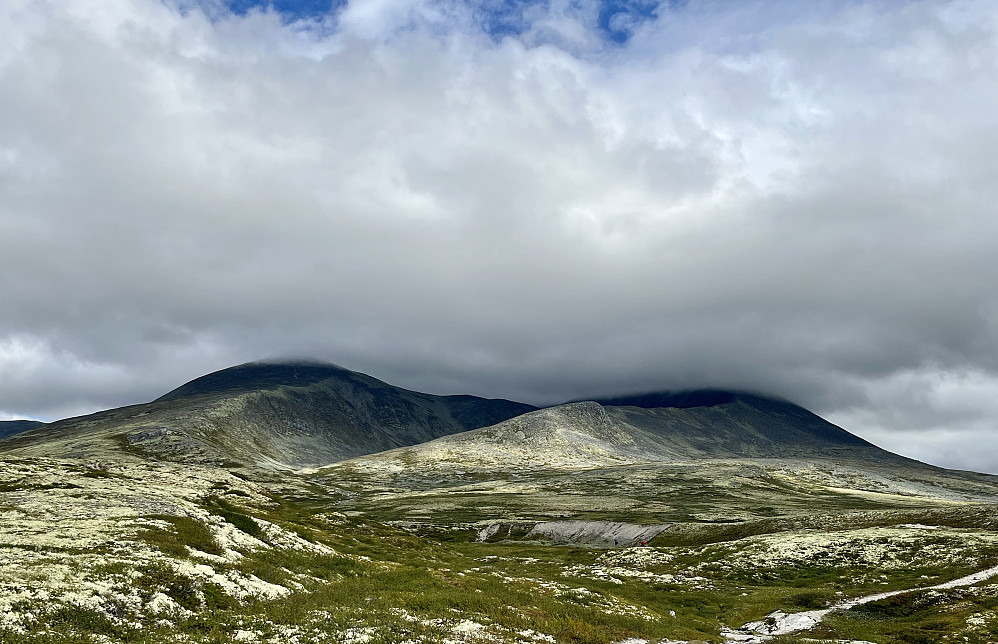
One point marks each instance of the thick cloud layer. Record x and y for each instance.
(798, 201)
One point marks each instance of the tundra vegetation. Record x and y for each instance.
(137, 551)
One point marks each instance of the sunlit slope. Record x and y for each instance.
(281, 414)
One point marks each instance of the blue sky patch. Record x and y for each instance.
(616, 20)
(293, 9)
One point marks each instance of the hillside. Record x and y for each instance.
(11, 427)
(271, 414)
(588, 434)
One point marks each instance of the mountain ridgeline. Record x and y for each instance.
(307, 414)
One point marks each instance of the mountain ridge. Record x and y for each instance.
(255, 375)
(271, 414)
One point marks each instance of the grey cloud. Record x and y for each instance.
(796, 204)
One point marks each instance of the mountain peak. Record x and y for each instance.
(291, 361)
(257, 375)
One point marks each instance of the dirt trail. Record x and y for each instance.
(780, 623)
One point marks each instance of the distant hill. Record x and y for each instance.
(277, 414)
(11, 427)
(704, 425)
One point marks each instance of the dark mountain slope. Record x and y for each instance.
(259, 376)
(11, 427)
(732, 423)
(772, 419)
(282, 414)
(680, 399)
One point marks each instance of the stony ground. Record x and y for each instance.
(125, 550)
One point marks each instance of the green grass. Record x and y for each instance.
(184, 533)
(82, 620)
(917, 618)
(229, 512)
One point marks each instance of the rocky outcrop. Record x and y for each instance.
(600, 534)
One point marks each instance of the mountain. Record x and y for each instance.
(645, 429)
(11, 427)
(272, 414)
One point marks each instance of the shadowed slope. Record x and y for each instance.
(770, 419)
(11, 427)
(741, 425)
(260, 376)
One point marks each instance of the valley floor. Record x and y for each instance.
(160, 552)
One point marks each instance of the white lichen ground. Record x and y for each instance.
(71, 543)
(68, 539)
(74, 542)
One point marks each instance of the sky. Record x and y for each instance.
(536, 200)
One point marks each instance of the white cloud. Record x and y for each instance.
(941, 416)
(798, 202)
(378, 19)
(33, 372)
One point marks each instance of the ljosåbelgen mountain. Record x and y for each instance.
(270, 414)
(301, 414)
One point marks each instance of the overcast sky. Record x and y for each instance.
(532, 200)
